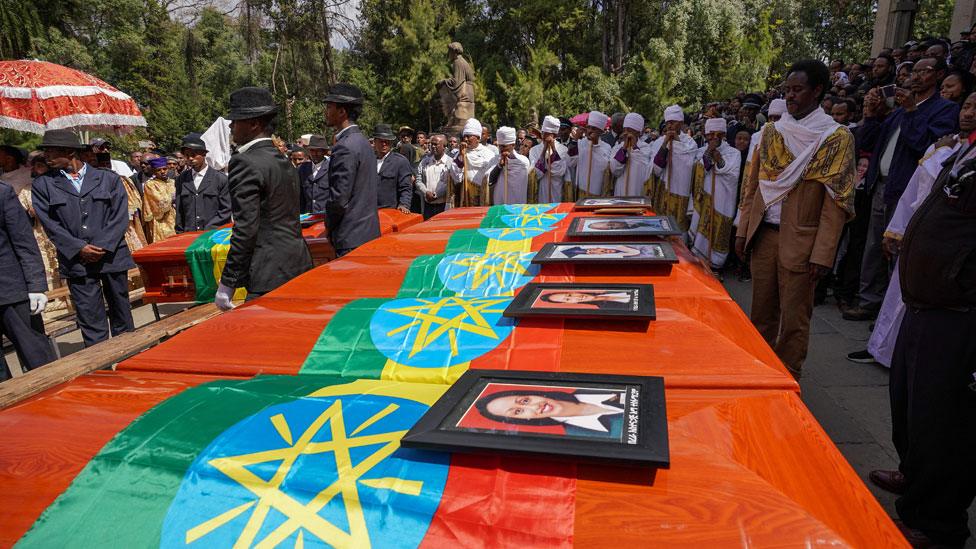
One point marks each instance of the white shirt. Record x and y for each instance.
(317, 167)
(251, 143)
(198, 177)
(592, 422)
(379, 163)
(343, 130)
(435, 175)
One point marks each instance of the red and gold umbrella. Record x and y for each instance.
(36, 96)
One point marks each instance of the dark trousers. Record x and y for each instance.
(875, 270)
(430, 210)
(849, 273)
(90, 295)
(933, 415)
(27, 335)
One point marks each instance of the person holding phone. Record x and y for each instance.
(897, 142)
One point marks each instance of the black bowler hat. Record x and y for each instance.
(193, 141)
(61, 138)
(344, 94)
(251, 102)
(318, 142)
(384, 132)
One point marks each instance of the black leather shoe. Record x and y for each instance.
(859, 313)
(919, 540)
(892, 481)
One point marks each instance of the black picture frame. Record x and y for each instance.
(612, 202)
(665, 226)
(643, 423)
(553, 252)
(529, 302)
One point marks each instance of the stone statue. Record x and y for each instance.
(457, 92)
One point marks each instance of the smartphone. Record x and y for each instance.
(888, 91)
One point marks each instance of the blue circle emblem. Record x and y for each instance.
(486, 274)
(439, 332)
(519, 209)
(221, 236)
(512, 234)
(541, 220)
(318, 472)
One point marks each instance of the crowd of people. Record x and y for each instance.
(853, 179)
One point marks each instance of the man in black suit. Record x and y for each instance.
(314, 176)
(351, 212)
(85, 213)
(22, 286)
(266, 245)
(202, 194)
(395, 185)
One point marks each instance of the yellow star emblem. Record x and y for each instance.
(482, 267)
(460, 315)
(524, 232)
(535, 219)
(306, 518)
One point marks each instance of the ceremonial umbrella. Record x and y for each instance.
(36, 96)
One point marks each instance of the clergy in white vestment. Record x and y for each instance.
(473, 164)
(885, 333)
(715, 190)
(630, 159)
(510, 179)
(673, 160)
(549, 164)
(591, 158)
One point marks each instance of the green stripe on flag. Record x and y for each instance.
(422, 279)
(345, 347)
(200, 261)
(122, 496)
(466, 240)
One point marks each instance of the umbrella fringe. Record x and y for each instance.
(110, 122)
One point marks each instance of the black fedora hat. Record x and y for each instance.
(384, 132)
(251, 102)
(317, 142)
(65, 139)
(193, 141)
(344, 94)
(752, 100)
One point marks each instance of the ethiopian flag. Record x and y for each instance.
(468, 274)
(300, 461)
(542, 217)
(206, 257)
(428, 340)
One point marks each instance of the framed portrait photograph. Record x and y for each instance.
(591, 417)
(610, 202)
(630, 225)
(597, 253)
(619, 301)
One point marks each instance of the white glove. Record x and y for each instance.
(223, 298)
(38, 302)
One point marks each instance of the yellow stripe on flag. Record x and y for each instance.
(394, 371)
(522, 246)
(219, 255)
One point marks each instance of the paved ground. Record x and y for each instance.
(850, 400)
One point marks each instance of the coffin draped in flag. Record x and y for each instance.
(297, 461)
(206, 257)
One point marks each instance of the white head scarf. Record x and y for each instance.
(505, 136)
(550, 124)
(777, 107)
(634, 121)
(472, 127)
(674, 114)
(597, 119)
(715, 125)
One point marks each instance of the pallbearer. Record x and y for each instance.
(674, 156)
(630, 160)
(591, 158)
(714, 190)
(474, 162)
(549, 163)
(510, 181)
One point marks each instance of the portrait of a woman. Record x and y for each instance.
(584, 412)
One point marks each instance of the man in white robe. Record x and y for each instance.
(591, 158)
(549, 161)
(715, 195)
(673, 155)
(510, 179)
(630, 159)
(473, 164)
